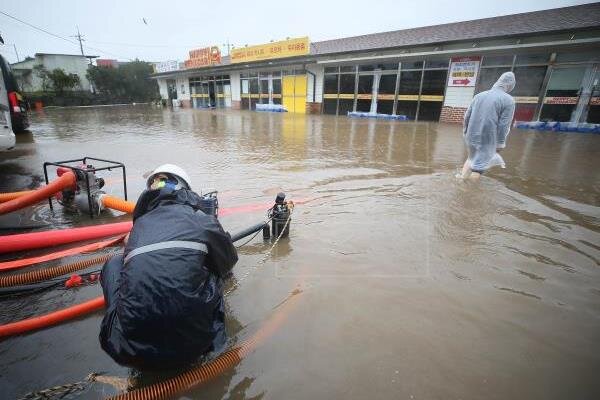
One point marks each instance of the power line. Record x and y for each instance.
(61, 37)
(37, 28)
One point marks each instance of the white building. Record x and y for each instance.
(70, 63)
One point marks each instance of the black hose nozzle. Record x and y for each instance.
(248, 231)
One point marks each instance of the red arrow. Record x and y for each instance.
(460, 81)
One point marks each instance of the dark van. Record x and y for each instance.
(16, 102)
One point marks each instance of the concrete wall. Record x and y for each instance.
(319, 71)
(30, 80)
(70, 64)
(26, 77)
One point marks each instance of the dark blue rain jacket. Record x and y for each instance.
(164, 307)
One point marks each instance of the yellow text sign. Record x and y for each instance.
(284, 48)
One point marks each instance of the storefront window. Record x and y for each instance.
(331, 70)
(277, 91)
(489, 76)
(345, 106)
(382, 67)
(532, 59)
(437, 62)
(410, 81)
(565, 82)
(562, 93)
(432, 94)
(412, 65)
(329, 106)
(434, 82)
(330, 87)
(348, 68)
(245, 92)
(578, 57)
(364, 94)
(347, 83)
(330, 84)
(385, 96)
(408, 108)
(408, 93)
(253, 93)
(387, 84)
(505, 60)
(264, 91)
(220, 96)
(529, 80)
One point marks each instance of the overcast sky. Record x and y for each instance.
(116, 28)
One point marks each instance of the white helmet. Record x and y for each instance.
(183, 179)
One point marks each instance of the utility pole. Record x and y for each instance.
(228, 45)
(16, 52)
(81, 39)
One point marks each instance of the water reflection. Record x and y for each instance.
(421, 272)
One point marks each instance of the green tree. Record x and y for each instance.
(61, 80)
(129, 82)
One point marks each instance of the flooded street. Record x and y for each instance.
(409, 283)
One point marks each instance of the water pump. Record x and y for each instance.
(280, 216)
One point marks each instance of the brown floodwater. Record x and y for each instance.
(409, 283)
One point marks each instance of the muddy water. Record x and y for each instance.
(411, 284)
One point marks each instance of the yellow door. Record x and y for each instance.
(294, 93)
(300, 94)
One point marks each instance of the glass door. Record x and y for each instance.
(562, 93)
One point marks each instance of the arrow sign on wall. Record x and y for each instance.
(460, 81)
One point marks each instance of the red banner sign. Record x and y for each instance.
(561, 100)
(463, 71)
(204, 57)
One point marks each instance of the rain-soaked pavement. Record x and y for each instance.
(410, 284)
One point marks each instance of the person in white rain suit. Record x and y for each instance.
(487, 123)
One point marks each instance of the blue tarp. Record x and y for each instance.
(374, 115)
(580, 127)
(271, 107)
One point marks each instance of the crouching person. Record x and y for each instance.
(164, 298)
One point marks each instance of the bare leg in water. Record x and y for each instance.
(467, 173)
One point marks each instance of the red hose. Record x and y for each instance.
(53, 318)
(4, 197)
(36, 240)
(66, 180)
(25, 262)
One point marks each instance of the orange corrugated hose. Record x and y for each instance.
(52, 272)
(13, 195)
(66, 180)
(117, 204)
(203, 373)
